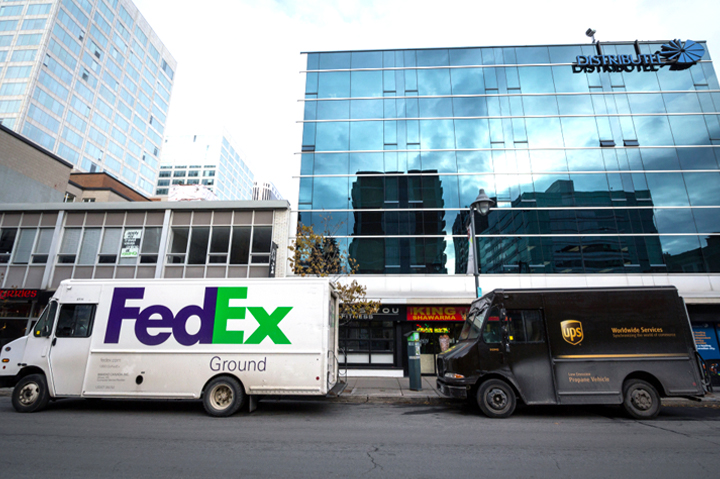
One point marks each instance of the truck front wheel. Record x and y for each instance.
(31, 394)
(640, 399)
(496, 398)
(223, 397)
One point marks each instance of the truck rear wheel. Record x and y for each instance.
(31, 394)
(223, 397)
(640, 399)
(496, 398)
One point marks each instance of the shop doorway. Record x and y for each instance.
(434, 339)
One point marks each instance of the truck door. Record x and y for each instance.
(38, 344)
(491, 354)
(71, 347)
(529, 356)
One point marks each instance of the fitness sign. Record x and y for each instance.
(677, 55)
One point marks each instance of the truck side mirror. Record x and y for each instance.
(505, 337)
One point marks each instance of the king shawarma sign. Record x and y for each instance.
(676, 54)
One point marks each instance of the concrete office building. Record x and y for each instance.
(28, 172)
(90, 81)
(45, 243)
(211, 160)
(602, 161)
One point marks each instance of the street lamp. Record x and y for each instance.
(482, 205)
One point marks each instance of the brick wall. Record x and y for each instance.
(36, 164)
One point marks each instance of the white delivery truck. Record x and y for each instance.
(222, 341)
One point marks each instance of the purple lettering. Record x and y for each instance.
(118, 311)
(158, 316)
(207, 320)
(145, 322)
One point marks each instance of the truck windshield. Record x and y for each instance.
(47, 318)
(473, 324)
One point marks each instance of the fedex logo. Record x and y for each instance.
(214, 315)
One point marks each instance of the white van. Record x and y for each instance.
(219, 340)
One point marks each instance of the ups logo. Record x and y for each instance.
(572, 331)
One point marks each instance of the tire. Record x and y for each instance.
(496, 399)
(223, 397)
(31, 394)
(640, 399)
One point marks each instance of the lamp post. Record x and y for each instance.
(482, 205)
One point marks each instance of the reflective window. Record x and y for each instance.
(366, 84)
(332, 136)
(333, 110)
(434, 82)
(334, 61)
(334, 85)
(467, 81)
(75, 321)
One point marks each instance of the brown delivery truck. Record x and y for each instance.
(629, 346)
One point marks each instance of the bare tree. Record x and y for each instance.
(318, 254)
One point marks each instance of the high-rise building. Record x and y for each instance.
(90, 81)
(603, 162)
(211, 160)
(265, 191)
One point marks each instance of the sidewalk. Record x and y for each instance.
(385, 390)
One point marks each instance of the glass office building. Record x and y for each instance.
(90, 81)
(602, 160)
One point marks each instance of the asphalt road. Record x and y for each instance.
(294, 439)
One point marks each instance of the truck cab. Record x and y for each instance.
(59, 343)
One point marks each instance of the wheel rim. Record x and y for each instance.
(29, 394)
(496, 399)
(641, 399)
(221, 396)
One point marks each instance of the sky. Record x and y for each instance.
(239, 61)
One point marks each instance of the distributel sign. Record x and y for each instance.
(214, 315)
(678, 55)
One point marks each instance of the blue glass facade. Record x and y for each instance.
(592, 170)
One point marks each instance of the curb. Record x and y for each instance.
(712, 401)
(430, 401)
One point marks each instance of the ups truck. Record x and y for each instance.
(226, 342)
(628, 346)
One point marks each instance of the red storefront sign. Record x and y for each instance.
(437, 313)
(18, 293)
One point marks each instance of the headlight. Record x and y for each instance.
(454, 376)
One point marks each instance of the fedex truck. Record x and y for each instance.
(629, 346)
(223, 341)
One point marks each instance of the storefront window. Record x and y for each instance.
(13, 319)
(367, 342)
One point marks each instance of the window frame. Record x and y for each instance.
(87, 332)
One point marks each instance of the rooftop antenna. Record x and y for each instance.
(591, 33)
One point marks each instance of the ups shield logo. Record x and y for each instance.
(572, 331)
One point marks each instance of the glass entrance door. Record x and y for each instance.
(434, 339)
